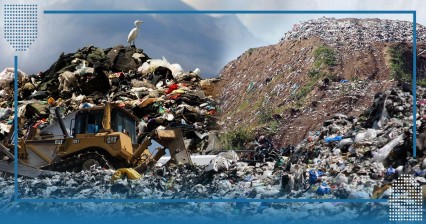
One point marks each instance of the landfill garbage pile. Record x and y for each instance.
(159, 93)
(348, 158)
(355, 156)
(6, 99)
(81, 184)
(239, 181)
(337, 32)
(338, 65)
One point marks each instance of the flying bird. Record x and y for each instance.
(134, 32)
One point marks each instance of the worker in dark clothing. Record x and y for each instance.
(263, 146)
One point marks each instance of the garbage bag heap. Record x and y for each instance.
(157, 92)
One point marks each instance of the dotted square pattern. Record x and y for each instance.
(406, 200)
(20, 25)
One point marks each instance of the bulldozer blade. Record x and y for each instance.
(23, 170)
(173, 140)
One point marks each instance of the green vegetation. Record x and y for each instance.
(306, 89)
(313, 72)
(244, 105)
(421, 82)
(274, 126)
(354, 79)
(252, 102)
(250, 51)
(332, 77)
(400, 70)
(265, 114)
(236, 139)
(324, 56)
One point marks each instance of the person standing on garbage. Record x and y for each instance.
(265, 142)
(263, 146)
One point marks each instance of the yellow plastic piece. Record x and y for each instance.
(129, 172)
(178, 91)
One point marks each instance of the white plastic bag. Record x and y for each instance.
(150, 66)
(7, 75)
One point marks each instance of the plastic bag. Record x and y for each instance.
(7, 75)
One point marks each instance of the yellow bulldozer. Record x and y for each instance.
(100, 136)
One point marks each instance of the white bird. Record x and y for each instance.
(134, 32)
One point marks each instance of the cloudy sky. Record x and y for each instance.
(270, 28)
(204, 41)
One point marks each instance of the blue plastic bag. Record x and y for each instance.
(323, 189)
(390, 171)
(313, 176)
(334, 139)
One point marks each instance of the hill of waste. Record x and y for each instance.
(320, 67)
(157, 92)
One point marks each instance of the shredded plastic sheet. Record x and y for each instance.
(383, 152)
(7, 75)
(223, 161)
(150, 66)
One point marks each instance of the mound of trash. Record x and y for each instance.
(361, 33)
(348, 158)
(95, 184)
(321, 67)
(157, 92)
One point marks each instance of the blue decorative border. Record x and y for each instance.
(15, 125)
(58, 12)
(228, 12)
(414, 82)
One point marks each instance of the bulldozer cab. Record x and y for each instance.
(105, 119)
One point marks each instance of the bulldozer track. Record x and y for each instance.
(75, 163)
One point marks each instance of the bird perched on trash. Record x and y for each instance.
(134, 32)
